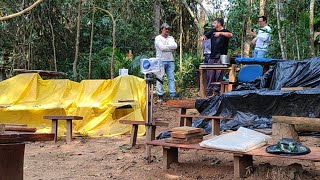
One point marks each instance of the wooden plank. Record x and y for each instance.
(63, 117)
(181, 119)
(182, 135)
(294, 88)
(186, 130)
(157, 123)
(191, 140)
(20, 128)
(206, 117)
(314, 155)
(15, 137)
(202, 88)
(40, 72)
(215, 127)
(283, 130)
(11, 124)
(185, 103)
(54, 129)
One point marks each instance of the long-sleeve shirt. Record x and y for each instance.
(165, 47)
(263, 38)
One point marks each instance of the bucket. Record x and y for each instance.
(224, 59)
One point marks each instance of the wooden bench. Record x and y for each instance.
(54, 128)
(241, 160)
(135, 125)
(183, 105)
(215, 121)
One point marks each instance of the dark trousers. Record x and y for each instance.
(213, 76)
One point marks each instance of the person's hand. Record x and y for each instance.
(253, 41)
(253, 34)
(203, 37)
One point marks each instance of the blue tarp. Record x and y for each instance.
(244, 60)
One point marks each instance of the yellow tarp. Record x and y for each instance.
(26, 98)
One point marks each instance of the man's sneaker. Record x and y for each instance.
(160, 98)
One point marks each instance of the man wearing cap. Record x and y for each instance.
(219, 46)
(165, 45)
(262, 39)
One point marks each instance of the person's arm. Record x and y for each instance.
(207, 35)
(172, 43)
(225, 34)
(161, 46)
(263, 36)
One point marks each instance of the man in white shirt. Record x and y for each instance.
(165, 45)
(262, 39)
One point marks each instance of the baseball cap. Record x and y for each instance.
(165, 25)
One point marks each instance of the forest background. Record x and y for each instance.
(92, 39)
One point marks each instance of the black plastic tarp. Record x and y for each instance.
(252, 105)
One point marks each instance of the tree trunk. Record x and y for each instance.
(91, 43)
(312, 2)
(248, 38)
(180, 39)
(113, 39)
(281, 31)
(157, 15)
(262, 7)
(53, 40)
(202, 21)
(75, 62)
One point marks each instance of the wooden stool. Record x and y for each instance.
(135, 125)
(54, 128)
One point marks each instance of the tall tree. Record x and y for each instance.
(281, 30)
(75, 62)
(262, 7)
(311, 27)
(157, 16)
(248, 37)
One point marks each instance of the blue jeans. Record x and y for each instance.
(259, 53)
(169, 70)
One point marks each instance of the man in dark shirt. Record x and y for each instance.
(219, 46)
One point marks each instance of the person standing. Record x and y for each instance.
(262, 39)
(219, 46)
(165, 45)
(206, 45)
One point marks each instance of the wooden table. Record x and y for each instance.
(203, 68)
(12, 152)
(241, 160)
(54, 128)
(41, 72)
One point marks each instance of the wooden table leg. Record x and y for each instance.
(202, 87)
(170, 155)
(240, 165)
(215, 124)
(54, 129)
(134, 134)
(153, 133)
(188, 121)
(183, 111)
(11, 161)
(69, 130)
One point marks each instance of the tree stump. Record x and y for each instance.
(283, 130)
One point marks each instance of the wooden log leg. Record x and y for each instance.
(69, 130)
(134, 134)
(188, 121)
(241, 164)
(54, 129)
(283, 130)
(183, 111)
(202, 88)
(215, 123)
(11, 161)
(170, 155)
(153, 132)
(148, 147)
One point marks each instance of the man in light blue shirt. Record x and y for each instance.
(262, 39)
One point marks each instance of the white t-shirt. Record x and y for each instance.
(165, 47)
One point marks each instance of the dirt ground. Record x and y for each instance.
(110, 158)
